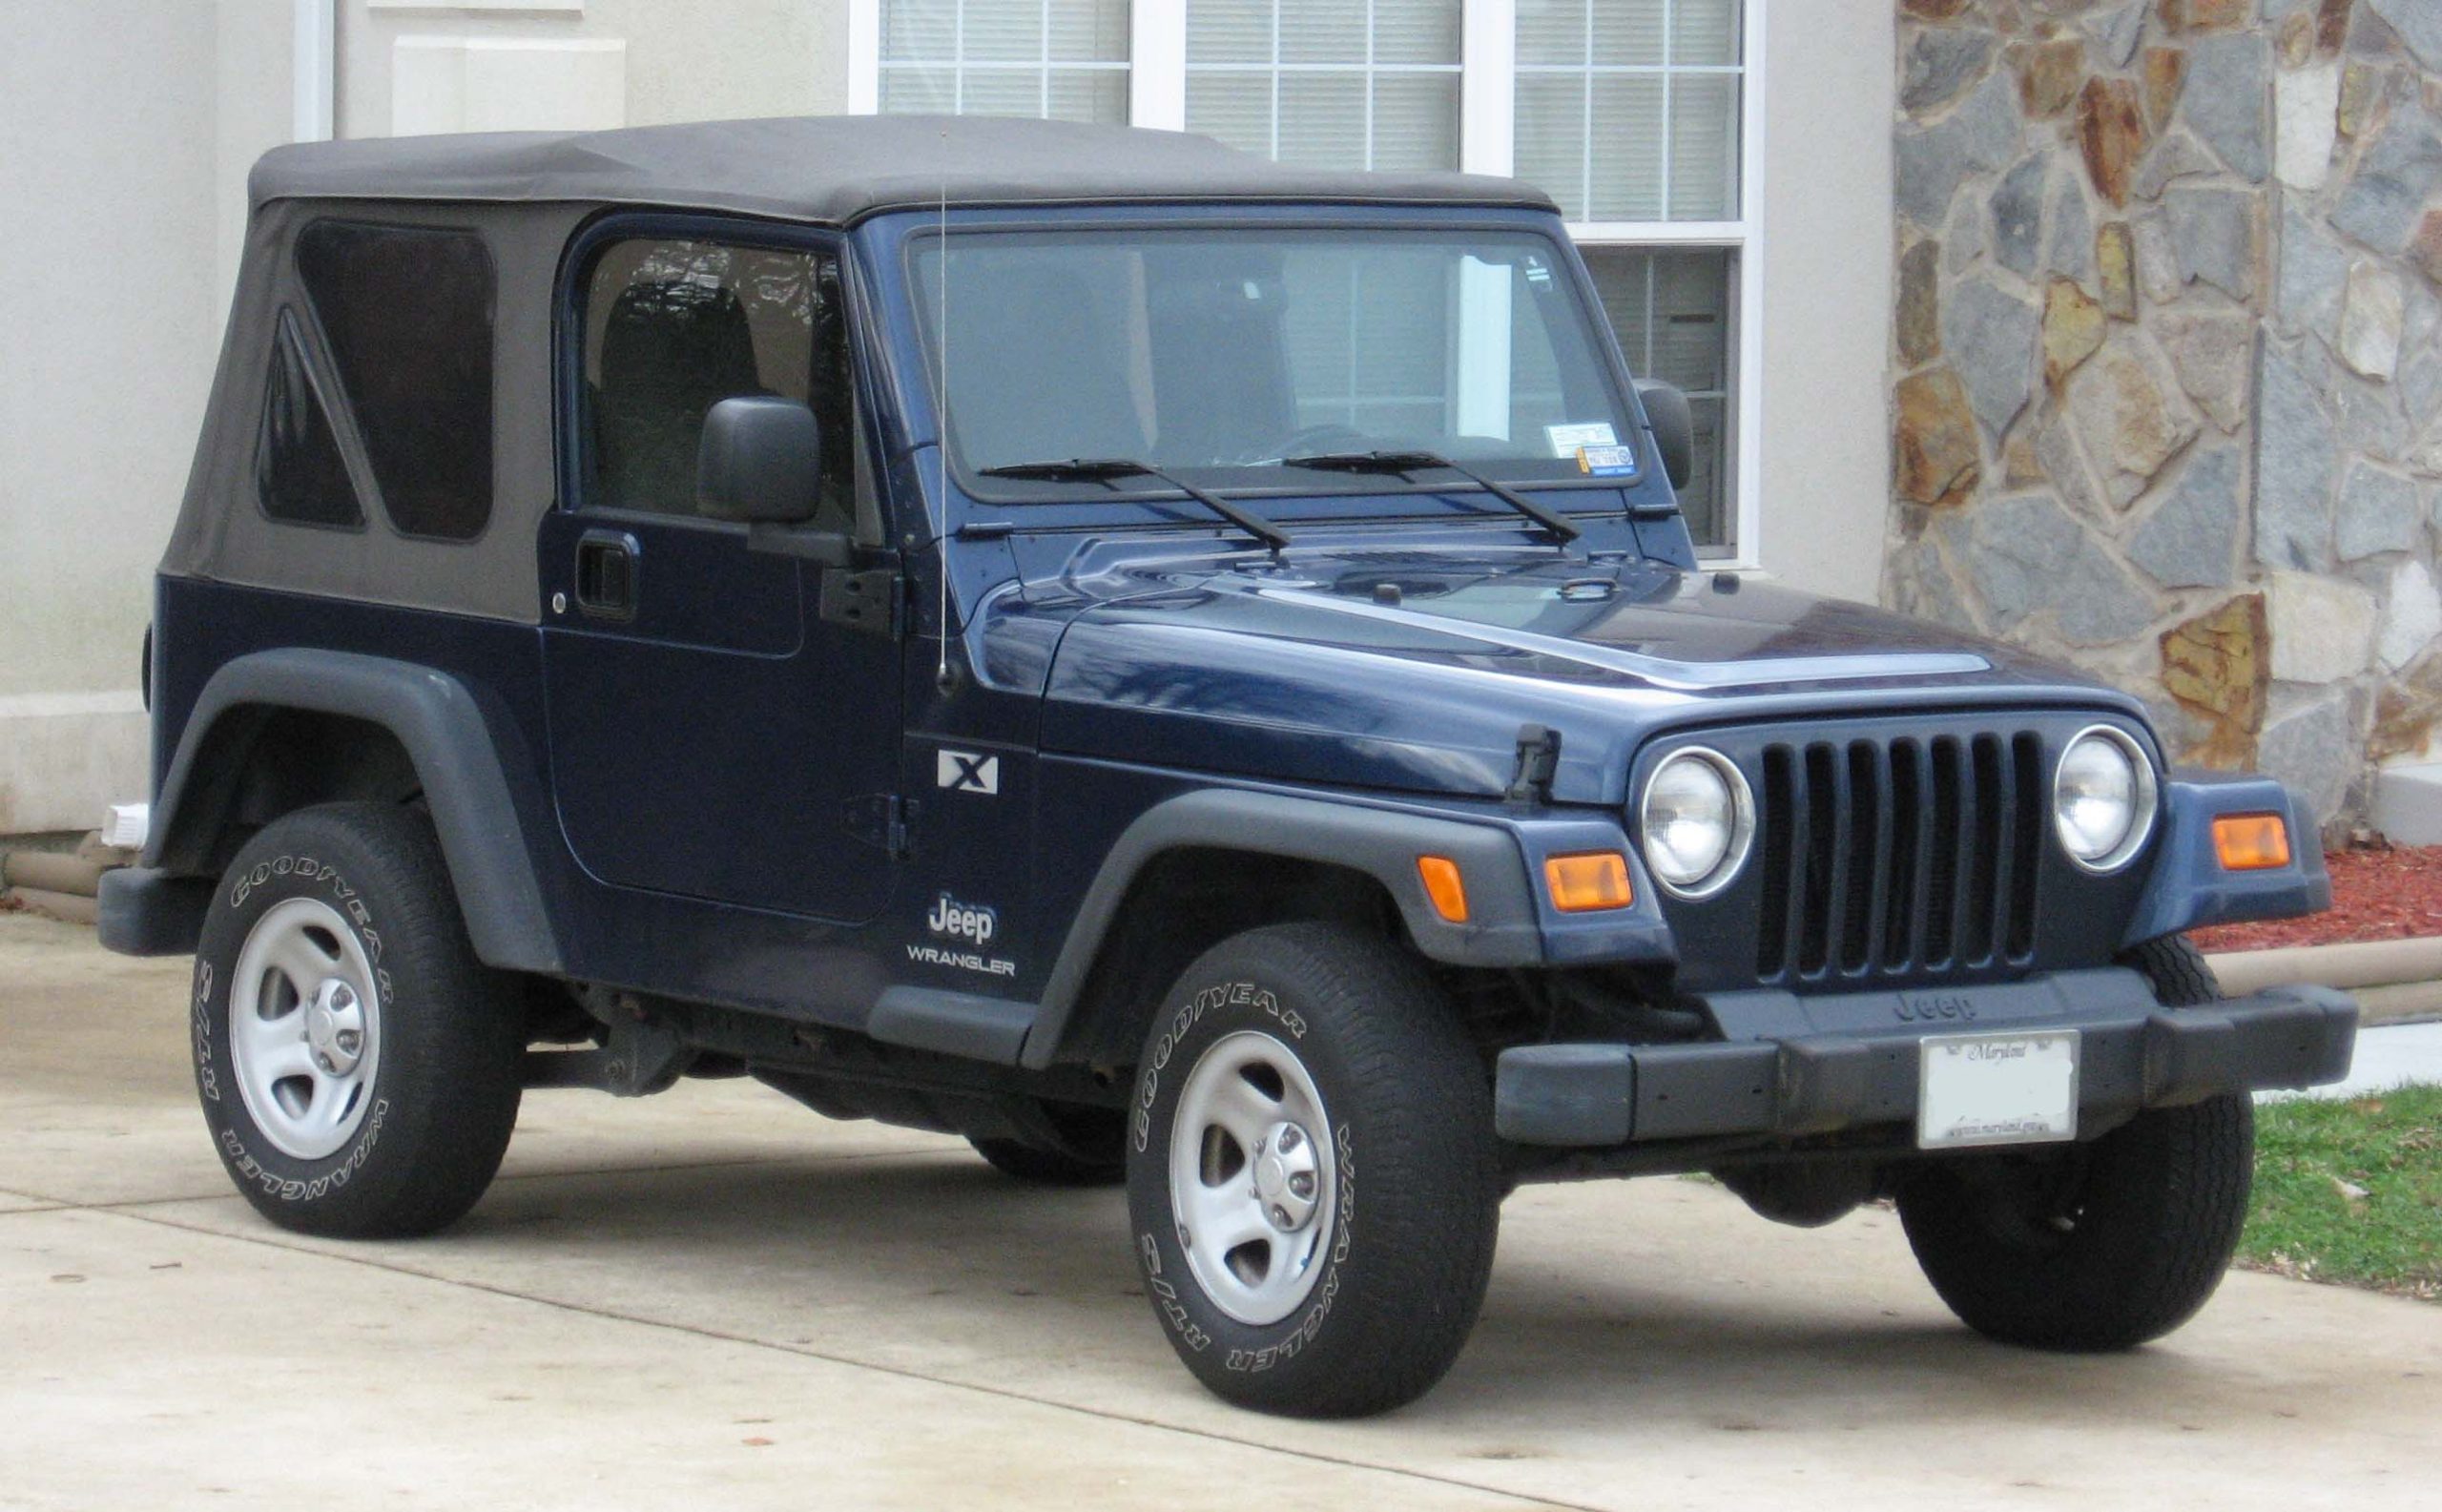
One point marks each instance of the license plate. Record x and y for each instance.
(1997, 1089)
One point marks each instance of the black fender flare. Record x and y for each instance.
(438, 720)
(1502, 928)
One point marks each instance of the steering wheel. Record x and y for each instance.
(1329, 436)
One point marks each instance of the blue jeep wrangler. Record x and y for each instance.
(1181, 670)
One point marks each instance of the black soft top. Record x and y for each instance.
(838, 170)
(525, 195)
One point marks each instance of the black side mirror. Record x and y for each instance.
(1674, 427)
(759, 461)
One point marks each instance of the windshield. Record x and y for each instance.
(1219, 354)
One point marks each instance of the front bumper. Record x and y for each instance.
(1791, 1067)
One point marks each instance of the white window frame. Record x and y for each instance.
(1487, 144)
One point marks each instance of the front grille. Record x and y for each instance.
(1897, 855)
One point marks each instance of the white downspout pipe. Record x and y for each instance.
(315, 77)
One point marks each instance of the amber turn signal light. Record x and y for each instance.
(1444, 885)
(2251, 843)
(1583, 885)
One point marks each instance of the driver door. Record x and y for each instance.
(713, 735)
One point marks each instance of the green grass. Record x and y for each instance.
(2351, 1191)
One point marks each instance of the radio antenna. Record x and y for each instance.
(941, 421)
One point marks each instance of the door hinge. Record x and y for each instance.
(881, 819)
(866, 601)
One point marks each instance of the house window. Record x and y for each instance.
(1639, 117)
(1634, 114)
(1344, 84)
(1065, 59)
(1628, 109)
(1671, 309)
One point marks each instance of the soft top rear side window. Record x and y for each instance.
(299, 475)
(408, 314)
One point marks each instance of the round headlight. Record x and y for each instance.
(1696, 821)
(2103, 798)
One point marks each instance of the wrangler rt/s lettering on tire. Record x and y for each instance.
(357, 1067)
(1312, 1174)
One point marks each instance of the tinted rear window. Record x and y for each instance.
(408, 311)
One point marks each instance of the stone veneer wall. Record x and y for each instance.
(2168, 359)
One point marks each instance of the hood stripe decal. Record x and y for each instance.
(1661, 670)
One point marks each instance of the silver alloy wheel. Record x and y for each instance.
(1252, 1177)
(305, 1028)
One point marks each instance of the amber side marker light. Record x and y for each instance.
(1444, 885)
(2251, 843)
(1583, 885)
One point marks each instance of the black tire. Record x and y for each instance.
(2102, 1246)
(440, 1099)
(1393, 1287)
(1084, 1146)
(2181, 975)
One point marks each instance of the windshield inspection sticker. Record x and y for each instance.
(1565, 440)
(1607, 462)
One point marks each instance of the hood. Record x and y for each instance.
(1416, 668)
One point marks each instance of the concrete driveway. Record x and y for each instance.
(715, 1297)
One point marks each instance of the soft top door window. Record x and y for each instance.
(408, 314)
(674, 326)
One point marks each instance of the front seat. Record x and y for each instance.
(670, 352)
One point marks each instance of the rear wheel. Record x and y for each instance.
(2100, 1246)
(1294, 1060)
(358, 1065)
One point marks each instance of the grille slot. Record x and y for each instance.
(1897, 857)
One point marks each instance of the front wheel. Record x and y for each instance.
(2102, 1246)
(1312, 1174)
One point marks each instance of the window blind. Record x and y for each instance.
(1347, 84)
(1628, 109)
(1067, 59)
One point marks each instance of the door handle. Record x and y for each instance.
(607, 564)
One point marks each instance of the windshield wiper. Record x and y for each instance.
(1105, 469)
(1404, 462)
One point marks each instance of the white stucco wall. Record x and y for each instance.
(1827, 293)
(130, 126)
(120, 161)
(568, 64)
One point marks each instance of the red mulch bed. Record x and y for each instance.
(2377, 893)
